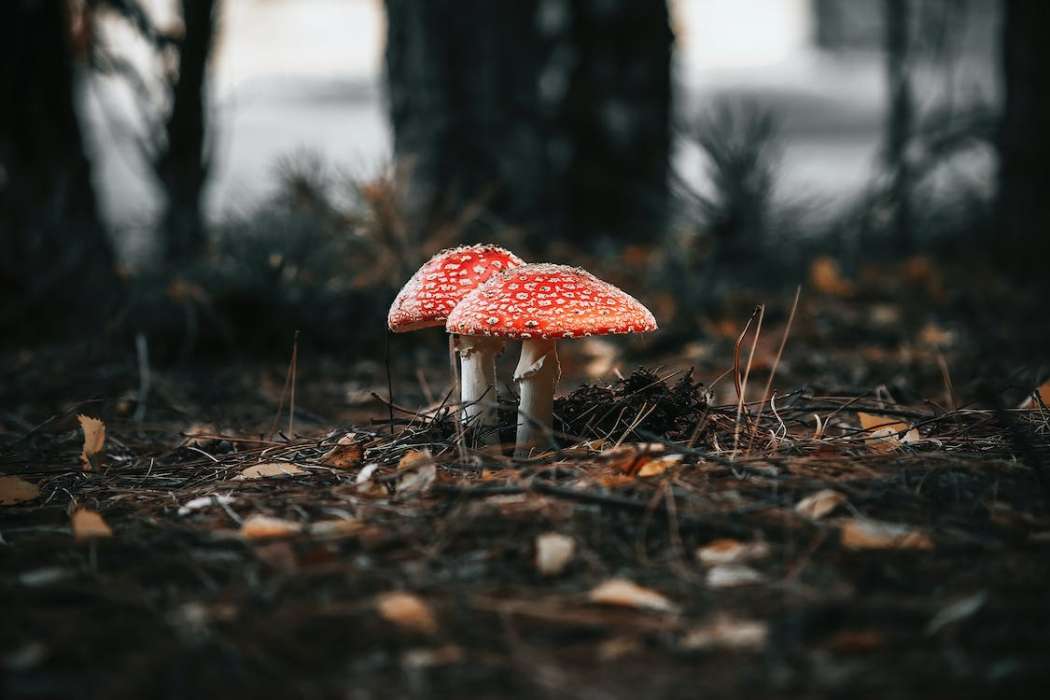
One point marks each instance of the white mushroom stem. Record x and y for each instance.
(477, 365)
(537, 375)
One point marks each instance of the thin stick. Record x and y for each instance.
(776, 364)
(291, 402)
(389, 385)
(742, 386)
(284, 392)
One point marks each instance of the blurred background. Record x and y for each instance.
(206, 177)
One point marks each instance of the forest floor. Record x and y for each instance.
(879, 529)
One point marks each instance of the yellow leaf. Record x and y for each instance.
(885, 434)
(826, 276)
(258, 527)
(870, 534)
(346, 454)
(89, 525)
(553, 553)
(268, 469)
(1043, 392)
(727, 633)
(409, 612)
(729, 551)
(819, 504)
(94, 439)
(14, 490)
(623, 593)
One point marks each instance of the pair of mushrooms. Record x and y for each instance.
(487, 295)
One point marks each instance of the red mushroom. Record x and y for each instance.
(541, 304)
(429, 297)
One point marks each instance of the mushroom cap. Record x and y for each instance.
(428, 298)
(549, 301)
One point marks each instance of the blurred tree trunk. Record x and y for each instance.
(616, 118)
(462, 77)
(56, 255)
(899, 118)
(553, 115)
(1024, 139)
(182, 167)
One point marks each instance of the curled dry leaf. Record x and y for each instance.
(553, 553)
(871, 534)
(1043, 394)
(730, 551)
(14, 490)
(347, 453)
(409, 612)
(269, 469)
(822, 503)
(623, 593)
(727, 633)
(260, 527)
(89, 525)
(733, 576)
(886, 434)
(94, 440)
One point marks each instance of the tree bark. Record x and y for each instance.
(183, 166)
(1024, 140)
(57, 261)
(615, 120)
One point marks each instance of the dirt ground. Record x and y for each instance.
(879, 529)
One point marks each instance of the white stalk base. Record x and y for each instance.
(537, 375)
(477, 367)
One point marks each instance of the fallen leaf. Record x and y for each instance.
(347, 453)
(418, 481)
(409, 612)
(203, 502)
(623, 593)
(429, 658)
(258, 527)
(820, 504)
(269, 469)
(94, 440)
(870, 534)
(656, 467)
(200, 435)
(89, 525)
(727, 633)
(885, 434)
(15, 489)
(366, 473)
(957, 612)
(1043, 392)
(733, 576)
(826, 276)
(414, 458)
(641, 459)
(553, 553)
(729, 551)
(336, 528)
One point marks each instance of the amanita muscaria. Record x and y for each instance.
(429, 297)
(541, 304)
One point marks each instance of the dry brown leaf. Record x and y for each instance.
(733, 576)
(418, 481)
(259, 527)
(1043, 392)
(886, 434)
(826, 276)
(414, 459)
(94, 440)
(269, 469)
(643, 459)
(347, 453)
(729, 551)
(553, 553)
(656, 467)
(871, 534)
(623, 593)
(89, 525)
(822, 503)
(15, 489)
(409, 612)
(727, 633)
